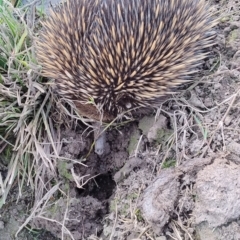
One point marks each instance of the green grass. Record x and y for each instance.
(16, 109)
(169, 163)
(28, 141)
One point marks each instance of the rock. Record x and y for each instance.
(161, 238)
(234, 147)
(159, 199)
(218, 194)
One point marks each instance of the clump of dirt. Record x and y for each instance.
(159, 199)
(14, 213)
(84, 216)
(218, 190)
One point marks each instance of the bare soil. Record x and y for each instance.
(174, 174)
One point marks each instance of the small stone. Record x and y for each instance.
(228, 120)
(161, 238)
(217, 86)
(208, 102)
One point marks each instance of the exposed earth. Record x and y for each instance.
(174, 174)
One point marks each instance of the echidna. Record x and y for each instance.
(123, 54)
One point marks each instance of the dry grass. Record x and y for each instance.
(31, 116)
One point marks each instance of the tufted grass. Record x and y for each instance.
(29, 142)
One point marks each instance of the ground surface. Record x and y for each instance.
(181, 183)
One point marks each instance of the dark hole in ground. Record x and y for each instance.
(100, 187)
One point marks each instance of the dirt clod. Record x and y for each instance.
(159, 199)
(217, 194)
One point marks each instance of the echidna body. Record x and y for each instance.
(122, 54)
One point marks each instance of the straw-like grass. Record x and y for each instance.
(29, 138)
